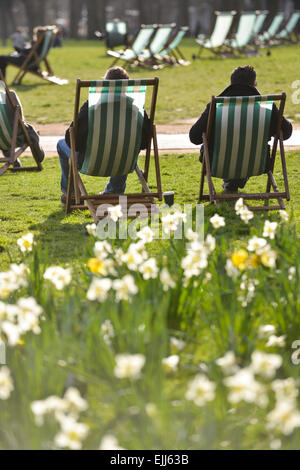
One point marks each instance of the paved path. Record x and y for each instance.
(166, 142)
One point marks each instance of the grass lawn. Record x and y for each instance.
(183, 91)
(31, 202)
(167, 344)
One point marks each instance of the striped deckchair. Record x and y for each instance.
(11, 143)
(220, 31)
(140, 42)
(273, 29)
(287, 34)
(115, 33)
(171, 52)
(238, 130)
(260, 20)
(116, 115)
(37, 57)
(241, 42)
(159, 41)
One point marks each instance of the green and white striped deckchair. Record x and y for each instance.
(37, 57)
(287, 33)
(116, 116)
(140, 42)
(259, 23)
(115, 33)
(14, 138)
(273, 29)
(169, 54)
(240, 43)
(159, 41)
(220, 31)
(240, 127)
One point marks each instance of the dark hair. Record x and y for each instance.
(116, 73)
(243, 75)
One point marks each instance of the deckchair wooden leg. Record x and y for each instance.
(202, 181)
(157, 167)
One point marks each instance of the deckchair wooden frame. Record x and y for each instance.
(15, 153)
(221, 50)
(47, 75)
(93, 200)
(216, 198)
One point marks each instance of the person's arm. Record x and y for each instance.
(82, 129)
(199, 127)
(16, 101)
(286, 126)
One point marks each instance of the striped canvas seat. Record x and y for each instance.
(116, 115)
(5, 126)
(140, 42)
(115, 131)
(242, 126)
(14, 137)
(236, 147)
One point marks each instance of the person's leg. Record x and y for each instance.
(35, 142)
(233, 185)
(116, 185)
(64, 154)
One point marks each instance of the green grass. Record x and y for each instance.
(31, 202)
(183, 91)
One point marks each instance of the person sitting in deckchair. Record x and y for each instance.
(116, 184)
(34, 137)
(243, 83)
(18, 58)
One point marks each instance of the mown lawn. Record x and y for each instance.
(183, 91)
(31, 202)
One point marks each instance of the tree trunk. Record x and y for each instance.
(75, 7)
(183, 12)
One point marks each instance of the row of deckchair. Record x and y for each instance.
(153, 46)
(238, 126)
(249, 34)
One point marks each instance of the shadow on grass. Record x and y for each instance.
(62, 237)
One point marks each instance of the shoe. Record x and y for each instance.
(17, 164)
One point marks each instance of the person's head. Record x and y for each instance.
(116, 73)
(244, 76)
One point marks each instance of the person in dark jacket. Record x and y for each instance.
(243, 83)
(116, 184)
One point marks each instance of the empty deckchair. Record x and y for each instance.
(287, 33)
(116, 114)
(140, 42)
(244, 34)
(220, 31)
(259, 23)
(159, 41)
(171, 52)
(115, 33)
(273, 29)
(11, 143)
(37, 57)
(238, 130)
